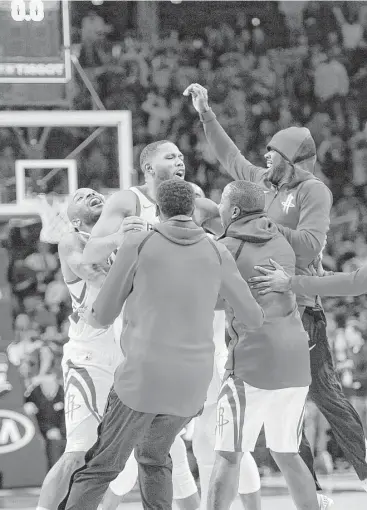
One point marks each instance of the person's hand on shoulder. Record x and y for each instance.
(199, 95)
(133, 224)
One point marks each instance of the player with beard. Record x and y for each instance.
(89, 362)
(90, 356)
(159, 161)
(300, 205)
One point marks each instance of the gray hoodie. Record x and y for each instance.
(170, 279)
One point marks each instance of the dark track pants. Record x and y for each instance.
(326, 392)
(121, 430)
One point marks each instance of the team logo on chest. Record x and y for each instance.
(289, 202)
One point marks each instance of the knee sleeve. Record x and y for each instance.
(126, 480)
(183, 482)
(249, 475)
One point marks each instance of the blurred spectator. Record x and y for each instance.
(45, 400)
(56, 293)
(351, 29)
(331, 78)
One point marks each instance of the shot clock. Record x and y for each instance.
(34, 41)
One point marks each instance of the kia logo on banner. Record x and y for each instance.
(16, 431)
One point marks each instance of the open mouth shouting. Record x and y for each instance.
(180, 173)
(95, 201)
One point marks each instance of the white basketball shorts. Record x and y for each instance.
(88, 371)
(242, 410)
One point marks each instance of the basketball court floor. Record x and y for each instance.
(344, 489)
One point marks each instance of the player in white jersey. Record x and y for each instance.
(89, 359)
(159, 161)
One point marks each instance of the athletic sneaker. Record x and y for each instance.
(324, 502)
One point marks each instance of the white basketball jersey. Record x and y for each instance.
(83, 295)
(148, 209)
(220, 355)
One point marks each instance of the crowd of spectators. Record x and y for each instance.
(314, 75)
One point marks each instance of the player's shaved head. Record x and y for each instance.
(85, 207)
(175, 197)
(149, 151)
(247, 196)
(240, 198)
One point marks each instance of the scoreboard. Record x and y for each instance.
(34, 41)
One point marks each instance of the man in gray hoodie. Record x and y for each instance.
(169, 280)
(299, 203)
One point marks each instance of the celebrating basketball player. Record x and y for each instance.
(90, 357)
(89, 362)
(159, 161)
(300, 205)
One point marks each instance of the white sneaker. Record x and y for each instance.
(364, 485)
(324, 502)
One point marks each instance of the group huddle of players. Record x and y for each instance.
(300, 206)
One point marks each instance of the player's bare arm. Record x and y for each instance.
(73, 264)
(207, 216)
(107, 234)
(224, 149)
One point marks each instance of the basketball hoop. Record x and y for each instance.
(53, 212)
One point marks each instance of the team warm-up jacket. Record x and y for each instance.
(301, 208)
(338, 284)
(169, 280)
(275, 355)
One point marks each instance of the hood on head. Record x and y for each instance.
(252, 228)
(180, 230)
(296, 145)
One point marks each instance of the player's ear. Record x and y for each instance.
(235, 212)
(76, 223)
(148, 170)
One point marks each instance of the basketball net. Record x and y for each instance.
(53, 212)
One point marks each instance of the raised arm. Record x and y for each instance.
(106, 235)
(224, 149)
(338, 284)
(237, 293)
(339, 16)
(309, 238)
(73, 264)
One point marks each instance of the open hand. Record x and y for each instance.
(128, 225)
(133, 223)
(199, 96)
(272, 280)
